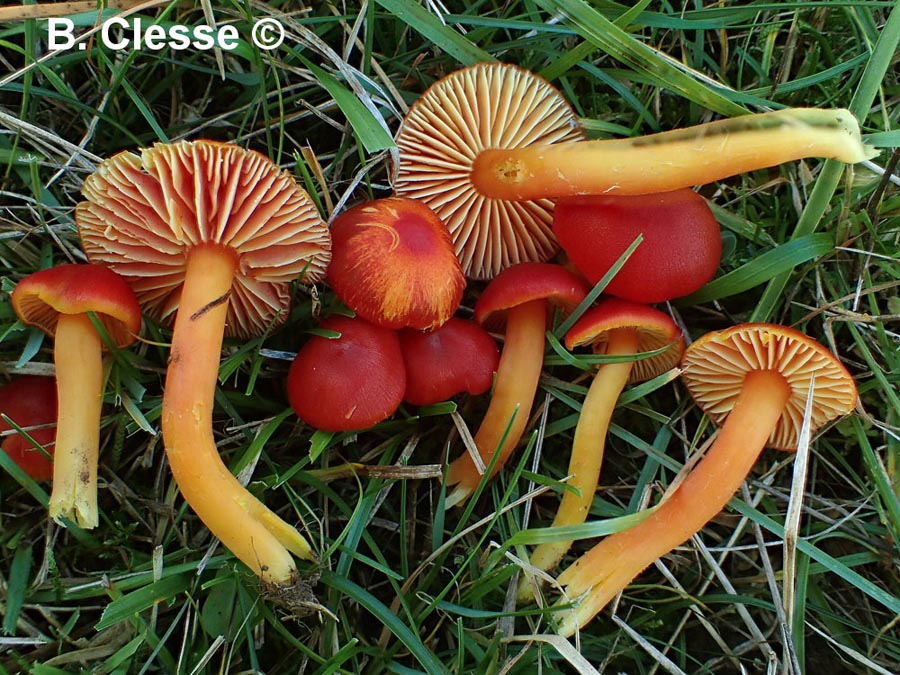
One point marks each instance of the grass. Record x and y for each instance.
(405, 587)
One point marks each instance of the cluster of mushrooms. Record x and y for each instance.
(493, 178)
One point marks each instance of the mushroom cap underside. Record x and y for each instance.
(715, 365)
(143, 214)
(487, 105)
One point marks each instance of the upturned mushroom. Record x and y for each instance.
(212, 236)
(29, 401)
(615, 328)
(521, 296)
(679, 252)
(393, 264)
(58, 301)
(753, 380)
(487, 147)
(349, 382)
(458, 357)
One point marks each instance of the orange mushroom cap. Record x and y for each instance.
(29, 401)
(679, 253)
(460, 356)
(529, 281)
(655, 330)
(41, 297)
(393, 264)
(145, 212)
(716, 364)
(487, 105)
(350, 382)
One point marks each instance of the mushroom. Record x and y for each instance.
(211, 235)
(349, 382)
(615, 328)
(521, 295)
(754, 379)
(58, 302)
(392, 263)
(484, 106)
(460, 356)
(29, 401)
(487, 146)
(679, 253)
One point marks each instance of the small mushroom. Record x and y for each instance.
(58, 300)
(29, 401)
(754, 380)
(349, 382)
(458, 357)
(393, 264)
(679, 253)
(613, 328)
(212, 236)
(521, 295)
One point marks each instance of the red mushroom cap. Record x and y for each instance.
(348, 383)
(29, 401)
(41, 297)
(679, 253)
(460, 356)
(393, 264)
(655, 330)
(524, 282)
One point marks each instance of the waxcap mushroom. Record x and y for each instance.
(393, 264)
(520, 298)
(679, 253)
(57, 300)
(487, 105)
(613, 327)
(29, 400)
(347, 383)
(213, 235)
(458, 357)
(753, 378)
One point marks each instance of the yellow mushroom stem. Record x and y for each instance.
(78, 356)
(253, 533)
(587, 449)
(606, 569)
(669, 160)
(518, 372)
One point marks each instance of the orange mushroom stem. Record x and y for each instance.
(757, 375)
(614, 328)
(57, 301)
(523, 292)
(669, 160)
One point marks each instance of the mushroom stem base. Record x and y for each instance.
(601, 573)
(79, 389)
(259, 538)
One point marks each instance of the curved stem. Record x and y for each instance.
(517, 380)
(258, 537)
(587, 448)
(612, 564)
(79, 390)
(670, 160)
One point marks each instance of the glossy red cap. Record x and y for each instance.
(29, 401)
(347, 383)
(458, 357)
(393, 264)
(679, 253)
(41, 297)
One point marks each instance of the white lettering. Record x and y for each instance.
(60, 28)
